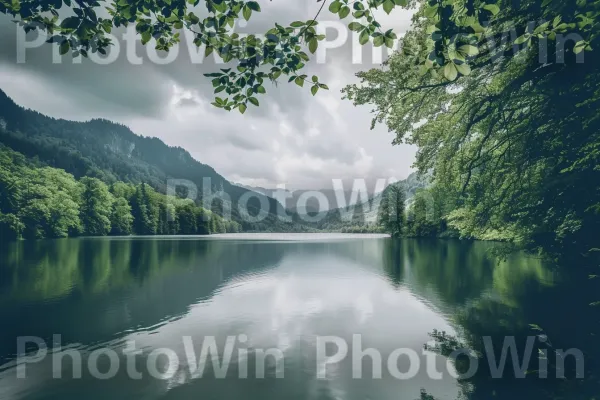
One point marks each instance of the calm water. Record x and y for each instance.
(281, 292)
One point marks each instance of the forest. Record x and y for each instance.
(510, 144)
(43, 202)
(113, 154)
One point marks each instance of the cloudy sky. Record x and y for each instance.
(293, 139)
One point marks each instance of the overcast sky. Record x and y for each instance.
(293, 139)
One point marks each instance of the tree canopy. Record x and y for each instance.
(455, 30)
(514, 146)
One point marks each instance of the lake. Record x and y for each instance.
(289, 315)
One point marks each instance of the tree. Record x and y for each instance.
(186, 218)
(50, 205)
(203, 221)
(122, 189)
(514, 144)
(145, 212)
(455, 31)
(391, 209)
(96, 207)
(48, 202)
(11, 227)
(421, 219)
(121, 218)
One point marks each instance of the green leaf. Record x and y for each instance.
(299, 81)
(297, 24)
(70, 23)
(464, 69)
(254, 101)
(430, 12)
(335, 6)
(312, 45)
(536, 327)
(431, 29)
(242, 108)
(364, 37)
(355, 26)
(247, 13)
(344, 12)
(468, 50)
(314, 89)
(388, 6)
(315, 78)
(253, 5)
(390, 34)
(522, 39)
(450, 72)
(493, 8)
(64, 47)
(261, 89)
(378, 41)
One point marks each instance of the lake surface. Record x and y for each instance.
(281, 301)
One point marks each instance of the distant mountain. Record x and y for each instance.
(357, 215)
(301, 201)
(365, 214)
(112, 152)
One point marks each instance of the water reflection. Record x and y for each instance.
(104, 292)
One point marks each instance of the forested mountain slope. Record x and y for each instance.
(112, 152)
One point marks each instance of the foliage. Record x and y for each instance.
(118, 157)
(121, 219)
(512, 148)
(50, 203)
(96, 207)
(455, 28)
(391, 215)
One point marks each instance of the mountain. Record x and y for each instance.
(303, 201)
(363, 216)
(112, 152)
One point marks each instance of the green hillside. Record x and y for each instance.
(112, 152)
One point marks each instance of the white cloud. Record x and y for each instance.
(293, 138)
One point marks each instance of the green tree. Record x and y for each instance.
(145, 212)
(391, 209)
(96, 207)
(50, 204)
(121, 218)
(513, 141)
(421, 218)
(186, 216)
(203, 221)
(122, 189)
(11, 227)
